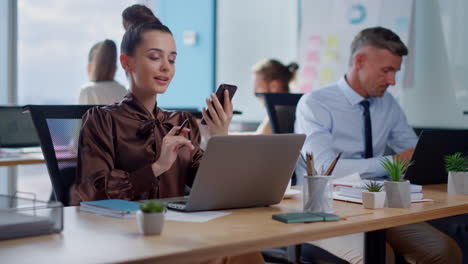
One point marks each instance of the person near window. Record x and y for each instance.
(271, 76)
(133, 150)
(359, 118)
(102, 64)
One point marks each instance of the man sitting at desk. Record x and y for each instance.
(357, 117)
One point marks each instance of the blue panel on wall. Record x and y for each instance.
(195, 71)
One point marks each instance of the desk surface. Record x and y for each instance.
(92, 238)
(32, 158)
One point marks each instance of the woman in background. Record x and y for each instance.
(271, 76)
(102, 65)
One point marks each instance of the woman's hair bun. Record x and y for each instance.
(293, 67)
(138, 14)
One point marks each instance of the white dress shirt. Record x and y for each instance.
(101, 93)
(332, 119)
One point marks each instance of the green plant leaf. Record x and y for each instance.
(396, 168)
(456, 162)
(152, 207)
(374, 186)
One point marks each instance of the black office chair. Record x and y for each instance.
(58, 128)
(281, 109)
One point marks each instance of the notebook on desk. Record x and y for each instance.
(112, 207)
(428, 156)
(242, 171)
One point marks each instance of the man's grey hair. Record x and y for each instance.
(378, 37)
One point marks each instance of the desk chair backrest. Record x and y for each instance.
(58, 128)
(281, 108)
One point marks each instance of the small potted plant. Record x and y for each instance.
(457, 168)
(150, 218)
(398, 194)
(373, 197)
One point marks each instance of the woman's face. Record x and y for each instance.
(152, 67)
(260, 85)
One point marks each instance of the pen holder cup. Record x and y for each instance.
(318, 194)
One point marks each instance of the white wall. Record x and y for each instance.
(248, 31)
(440, 92)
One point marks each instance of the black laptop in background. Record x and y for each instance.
(428, 157)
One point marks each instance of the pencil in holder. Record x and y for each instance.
(318, 194)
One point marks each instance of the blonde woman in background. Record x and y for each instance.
(102, 65)
(271, 76)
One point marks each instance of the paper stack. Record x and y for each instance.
(350, 188)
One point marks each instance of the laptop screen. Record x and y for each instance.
(16, 128)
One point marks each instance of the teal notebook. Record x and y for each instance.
(305, 217)
(113, 207)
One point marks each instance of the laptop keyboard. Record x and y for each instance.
(180, 205)
(179, 202)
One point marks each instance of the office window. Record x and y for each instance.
(54, 38)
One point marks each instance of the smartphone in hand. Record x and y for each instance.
(220, 95)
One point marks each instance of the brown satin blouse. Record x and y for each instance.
(118, 144)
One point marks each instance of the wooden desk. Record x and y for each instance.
(33, 158)
(92, 238)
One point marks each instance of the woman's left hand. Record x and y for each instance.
(220, 115)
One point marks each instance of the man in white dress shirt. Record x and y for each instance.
(358, 117)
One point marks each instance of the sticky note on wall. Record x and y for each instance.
(310, 72)
(312, 56)
(326, 74)
(331, 42)
(313, 41)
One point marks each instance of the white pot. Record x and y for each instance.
(398, 194)
(373, 200)
(150, 223)
(457, 182)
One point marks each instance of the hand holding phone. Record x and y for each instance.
(220, 95)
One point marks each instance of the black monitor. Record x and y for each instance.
(16, 128)
(428, 157)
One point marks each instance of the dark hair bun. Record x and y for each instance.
(136, 15)
(293, 67)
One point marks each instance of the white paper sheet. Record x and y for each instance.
(198, 217)
(339, 197)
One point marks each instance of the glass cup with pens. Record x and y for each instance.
(318, 188)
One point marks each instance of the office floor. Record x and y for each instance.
(35, 179)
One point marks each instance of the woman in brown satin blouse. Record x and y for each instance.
(129, 150)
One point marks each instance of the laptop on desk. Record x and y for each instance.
(428, 157)
(242, 171)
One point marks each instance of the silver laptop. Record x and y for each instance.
(242, 171)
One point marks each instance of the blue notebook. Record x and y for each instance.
(113, 207)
